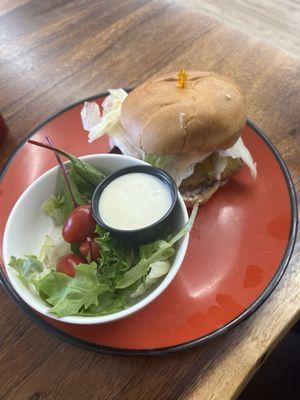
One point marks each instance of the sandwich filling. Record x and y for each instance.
(188, 170)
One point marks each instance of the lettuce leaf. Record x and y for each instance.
(116, 256)
(83, 186)
(157, 271)
(187, 227)
(239, 150)
(54, 207)
(151, 253)
(122, 141)
(69, 295)
(120, 275)
(83, 179)
(109, 122)
(157, 251)
(47, 248)
(179, 166)
(158, 161)
(53, 248)
(28, 268)
(108, 303)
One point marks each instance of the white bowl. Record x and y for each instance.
(28, 225)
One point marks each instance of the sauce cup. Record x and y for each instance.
(149, 232)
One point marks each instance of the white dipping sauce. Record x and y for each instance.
(134, 201)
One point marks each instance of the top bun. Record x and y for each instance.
(207, 115)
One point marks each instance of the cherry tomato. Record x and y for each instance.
(86, 248)
(66, 264)
(79, 225)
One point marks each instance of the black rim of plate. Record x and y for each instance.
(187, 345)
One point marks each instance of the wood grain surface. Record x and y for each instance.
(55, 52)
(276, 22)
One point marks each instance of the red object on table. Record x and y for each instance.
(3, 129)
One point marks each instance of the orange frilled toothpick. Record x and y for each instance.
(181, 78)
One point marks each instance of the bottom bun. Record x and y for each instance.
(200, 194)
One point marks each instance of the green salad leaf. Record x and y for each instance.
(83, 186)
(116, 256)
(68, 295)
(47, 248)
(61, 205)
(159, 250)
(149, 254)
(157, 270)
(84, 169)
(69, 204)
(121, 274)
(82, 179)
(28, 267)
(55, 207)
(52, 249)
(65, 192)
(158, 161)
(187, 227)
(108, 303)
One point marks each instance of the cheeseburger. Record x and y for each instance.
(188, 125)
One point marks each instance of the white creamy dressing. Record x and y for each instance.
(134, 201)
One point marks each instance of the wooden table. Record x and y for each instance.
(56, 52)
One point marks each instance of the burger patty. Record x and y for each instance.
(203, 183)
(200, 193)
(205, 172)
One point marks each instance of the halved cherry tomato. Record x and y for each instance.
(79, 225)
(66, 264)
(86, 248)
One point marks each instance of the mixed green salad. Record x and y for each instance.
(81, 269)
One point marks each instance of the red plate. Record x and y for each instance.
(239, 248)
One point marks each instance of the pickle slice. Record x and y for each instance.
(233, 165)
(205, 172)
